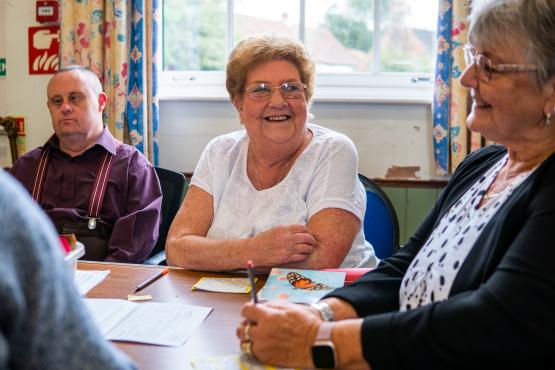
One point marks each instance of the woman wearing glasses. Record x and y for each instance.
(475, 286)
(282, 192)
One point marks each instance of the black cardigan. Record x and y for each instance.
(501, 308)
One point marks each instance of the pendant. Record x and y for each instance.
(92, 223)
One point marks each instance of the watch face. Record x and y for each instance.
(323, 356)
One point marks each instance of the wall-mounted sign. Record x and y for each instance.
(47, 11)
(44, 48)
(20, 139)
(2, 67)
(20, 122)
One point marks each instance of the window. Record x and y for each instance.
(357, 44)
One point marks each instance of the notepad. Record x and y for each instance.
(300, 286)
(139, 298)
(164, 324)
(223, 285)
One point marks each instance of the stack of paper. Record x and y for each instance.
(85, 280)
(165, 324)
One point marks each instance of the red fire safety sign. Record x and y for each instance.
(44, 49)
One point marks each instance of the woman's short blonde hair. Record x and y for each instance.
(258, 50)
(529, 24)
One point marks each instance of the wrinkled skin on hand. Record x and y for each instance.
(282, 245)
(281, 333)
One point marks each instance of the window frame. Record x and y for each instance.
(378, 87)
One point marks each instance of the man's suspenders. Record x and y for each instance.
(41, 174)
(98, 190)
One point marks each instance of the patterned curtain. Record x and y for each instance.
(94, 35)
(452, 140)
(118, 40)
(142, 100)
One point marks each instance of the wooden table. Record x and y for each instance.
(215, 336)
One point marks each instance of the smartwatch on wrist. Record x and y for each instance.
(323, 350)
(324, 309)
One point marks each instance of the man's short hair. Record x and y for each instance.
(91, 77)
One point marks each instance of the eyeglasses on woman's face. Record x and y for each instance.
(264, 91)
(485, 68)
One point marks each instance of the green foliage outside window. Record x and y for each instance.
(199, 26)
(195, 35)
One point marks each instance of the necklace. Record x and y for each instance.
(514, 181)
(281, 176)
(489, 196)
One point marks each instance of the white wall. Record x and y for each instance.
(25, 95)
(384, 134)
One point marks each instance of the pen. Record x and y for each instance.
(151, 280)
(250, 271)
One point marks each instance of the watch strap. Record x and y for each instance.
(323, 349)
(326, 313)
(324, 332)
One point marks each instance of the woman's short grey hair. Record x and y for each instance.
(528, 23)
(258, 50)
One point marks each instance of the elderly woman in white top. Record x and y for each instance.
(282, 192)
(475, 286)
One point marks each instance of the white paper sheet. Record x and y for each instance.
(165, 324)
(85, 280)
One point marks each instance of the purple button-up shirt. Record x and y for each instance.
(133, 197)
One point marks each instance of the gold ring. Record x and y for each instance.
(246, 332)
(246, 348)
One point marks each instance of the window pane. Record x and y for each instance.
(339, 34)
(407, 42)
(194, 35)
(256, 18)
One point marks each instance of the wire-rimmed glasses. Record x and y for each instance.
(263, 91)
(485, 68)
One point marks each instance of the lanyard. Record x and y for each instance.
(98, 189)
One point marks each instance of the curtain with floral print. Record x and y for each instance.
(93, 34)
(452, 140)
(118, 40)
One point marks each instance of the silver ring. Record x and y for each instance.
(246, 348)
(246, 332)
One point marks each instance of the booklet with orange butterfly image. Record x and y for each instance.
(300, 286)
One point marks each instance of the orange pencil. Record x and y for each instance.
(151, 280)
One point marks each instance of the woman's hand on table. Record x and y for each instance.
(280, 333)
(282, 245)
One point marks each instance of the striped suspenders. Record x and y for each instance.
(38, 185)
(98, 189)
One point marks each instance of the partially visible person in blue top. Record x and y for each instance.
(43, 321)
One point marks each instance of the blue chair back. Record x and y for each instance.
(381, 227)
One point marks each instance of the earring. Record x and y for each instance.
(548, 117)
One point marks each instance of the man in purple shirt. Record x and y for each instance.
(89, 183)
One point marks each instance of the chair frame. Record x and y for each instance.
(372, 186)
(158, 254)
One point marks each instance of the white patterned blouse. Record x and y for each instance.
(432, 272)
